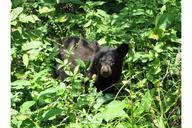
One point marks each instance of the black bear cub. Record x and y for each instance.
(106, 63)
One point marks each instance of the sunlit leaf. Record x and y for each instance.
(32, 45)
(28, 18)
(26, 105)
(15, 13)
(25, 60)
(46, 10)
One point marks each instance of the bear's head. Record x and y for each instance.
(108, 62)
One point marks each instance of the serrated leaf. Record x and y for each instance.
(26, 105)
(25, 60)
(32, 45)
(50, 113)
(15, 13)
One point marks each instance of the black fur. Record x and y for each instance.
(106, 63)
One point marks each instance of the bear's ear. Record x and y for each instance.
(95, 46)
(123, 49)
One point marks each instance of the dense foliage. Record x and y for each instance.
(149, 93)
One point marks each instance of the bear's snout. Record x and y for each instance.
(105, 71)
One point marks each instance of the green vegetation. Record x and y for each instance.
(150, 90)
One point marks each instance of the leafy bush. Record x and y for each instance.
(150, 90)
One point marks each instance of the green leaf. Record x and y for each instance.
(102, 41)
(87, 24)
(162, 21)
(114, 109)
(159, 47)
(70, 1)
(80, 62)
(26, 105)
(43, 10)
(32, 45)
(20, 82)
(145, 104)
(156, 34)
(28, 18)
(25, 60)
(33, 54)
(61, 18)
(51, 113)
(160, 122)
(27, 123)
(76, 69)
(15, 13)
(48, 91)
(40, 74)
(17, 2)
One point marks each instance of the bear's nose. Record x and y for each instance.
(105, 71)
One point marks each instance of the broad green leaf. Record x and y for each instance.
(46, 10)
(28, 18)
(25, 60)
(48, 91)
(61, 18)
(33, 54)
(21, 82)
(26, 105)
(51, 112)
(102, 13)
(138, 12)
(114, 109)
(15, 13)
(22, 117)
(164, 20)
(156, 34)
(32, 45)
